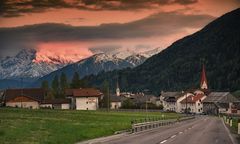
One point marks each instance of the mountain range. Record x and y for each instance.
(22, 69)
(97, 63)
(24, 66)
(178, 67)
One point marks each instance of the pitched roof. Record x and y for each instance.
(115, 98)
(193, 98)
(83, 92)
(171, 94)
(33, 93)
(220, 97)
(56, 101)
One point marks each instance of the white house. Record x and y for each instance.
(84, 98)
(193, 103)
(115, 102)
(180, 98)
(169, 100)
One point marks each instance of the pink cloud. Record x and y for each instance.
(66, 51)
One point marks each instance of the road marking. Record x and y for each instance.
(163, 141)
(228, 131)
(180, 132)
(173, 136)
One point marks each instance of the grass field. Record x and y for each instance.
(63, 126)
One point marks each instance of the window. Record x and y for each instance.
(198, 104)
(198, 110)
(87, 102)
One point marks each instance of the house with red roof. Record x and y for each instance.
(84, 98)
(193, 103)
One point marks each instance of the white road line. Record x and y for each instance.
(173, 136)
(163, 141)
(228, 131)
(180, 132)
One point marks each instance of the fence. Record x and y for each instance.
(132, 110)
(137, 127)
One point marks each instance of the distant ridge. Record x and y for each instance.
(178, 67)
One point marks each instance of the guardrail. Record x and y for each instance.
(137, 127)
(233, 120)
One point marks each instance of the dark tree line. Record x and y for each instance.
(58, 85)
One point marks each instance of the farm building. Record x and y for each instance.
(218, 102)
(24, 98)
(56, 104)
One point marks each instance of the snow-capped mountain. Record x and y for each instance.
(94, 65)
(136, 59)
(29, 66)
(24, 65)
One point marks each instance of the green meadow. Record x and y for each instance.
(26, 126)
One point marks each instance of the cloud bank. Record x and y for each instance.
(164, 24)
(14, 8)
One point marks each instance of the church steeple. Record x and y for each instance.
(117, 90)
(203, 84)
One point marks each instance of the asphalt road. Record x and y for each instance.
(202, 130)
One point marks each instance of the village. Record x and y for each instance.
(192, 101)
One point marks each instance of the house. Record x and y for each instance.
(218, 102)
(193, 103)
(115, 101)
(169, 100)
(84, 98)
(56, 104)
(24, 98)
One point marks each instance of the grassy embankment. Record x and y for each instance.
(63, 126)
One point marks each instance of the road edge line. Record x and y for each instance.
(229, 133)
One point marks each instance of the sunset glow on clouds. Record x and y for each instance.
(91, 25)
(68, 52)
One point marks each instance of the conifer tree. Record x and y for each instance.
(63, 84)
(55, 86)
(45, 85)
(76, 83)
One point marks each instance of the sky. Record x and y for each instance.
(76, 29)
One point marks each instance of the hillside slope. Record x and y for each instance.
(178, 67)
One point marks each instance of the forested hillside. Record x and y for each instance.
(178, 67)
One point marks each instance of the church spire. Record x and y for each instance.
(203, 84)
(117, 89)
